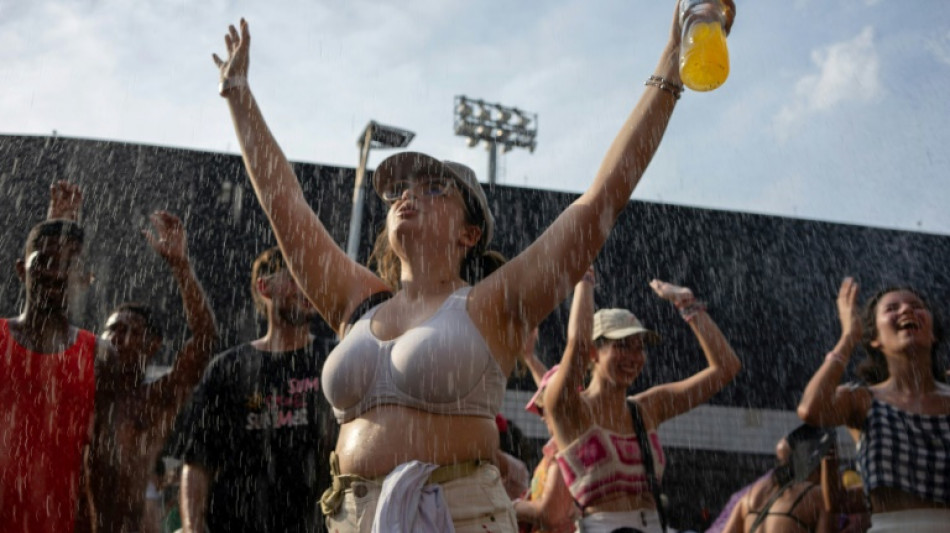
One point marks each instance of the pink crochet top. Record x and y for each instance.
(601, 463)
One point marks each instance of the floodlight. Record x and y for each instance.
(520, 119)
(383, 136)
(478, 120)
(375, 135)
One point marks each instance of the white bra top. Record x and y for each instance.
(442, 366)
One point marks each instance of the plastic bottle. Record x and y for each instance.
(704, 58)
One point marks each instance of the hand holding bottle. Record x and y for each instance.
(704, 57)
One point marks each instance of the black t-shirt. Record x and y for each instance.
(261, 426)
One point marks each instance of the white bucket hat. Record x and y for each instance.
(619, 323)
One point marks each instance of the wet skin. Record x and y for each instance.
(905, 332)
(385, 437)
(48, 271)
(129, 427)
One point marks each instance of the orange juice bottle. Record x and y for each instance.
(704, 57)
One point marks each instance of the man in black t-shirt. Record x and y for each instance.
(259, 429)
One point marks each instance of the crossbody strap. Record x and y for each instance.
(646, 453)
(764, 512)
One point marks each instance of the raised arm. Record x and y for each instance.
(535, 366)
(534, 283)
(666, 401)
(569, 414)
(331, 280)
(169, 239)
(825, 403)
(193, 497)
(65, 201)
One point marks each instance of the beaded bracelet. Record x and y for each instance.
(690, 311)
(665, 85)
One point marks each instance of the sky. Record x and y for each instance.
(833, 111)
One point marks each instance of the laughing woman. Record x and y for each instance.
(901, 418)
(428, 341)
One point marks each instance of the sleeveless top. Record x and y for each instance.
(47, 413)
(442, 366)
(600, 463)
(905, 451)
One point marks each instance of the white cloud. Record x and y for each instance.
(940, 48)
(848, 71)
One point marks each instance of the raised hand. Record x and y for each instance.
(676, 31)
(234, 69)
(730, 8)
(678, 296)
(65, 201)
(530, 344)
(848, 311)
(167, 236)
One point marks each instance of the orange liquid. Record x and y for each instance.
(704, 58)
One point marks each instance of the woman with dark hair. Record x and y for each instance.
(427, 343)
(900, 417)
(613, 467)
(789, 499)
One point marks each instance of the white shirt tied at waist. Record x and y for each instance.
(408, 505)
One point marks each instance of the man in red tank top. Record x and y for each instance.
(47, 387)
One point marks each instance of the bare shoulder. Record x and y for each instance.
(941, 399)
(857, 400)
(647, 402)
(757, 496)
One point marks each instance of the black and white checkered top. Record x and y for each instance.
(905, 451)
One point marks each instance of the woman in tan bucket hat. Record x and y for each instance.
(601, 454)
(420, 372)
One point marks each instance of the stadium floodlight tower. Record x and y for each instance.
(495, 124)
(378, 136)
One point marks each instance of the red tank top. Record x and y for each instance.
(45, 420)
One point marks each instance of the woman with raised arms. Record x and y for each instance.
(428, 342)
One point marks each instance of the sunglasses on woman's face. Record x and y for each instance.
(422, 187)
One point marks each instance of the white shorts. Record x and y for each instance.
(644, 520)
(477, 502)
(913, 521)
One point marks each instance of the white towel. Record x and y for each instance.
(407, 505)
